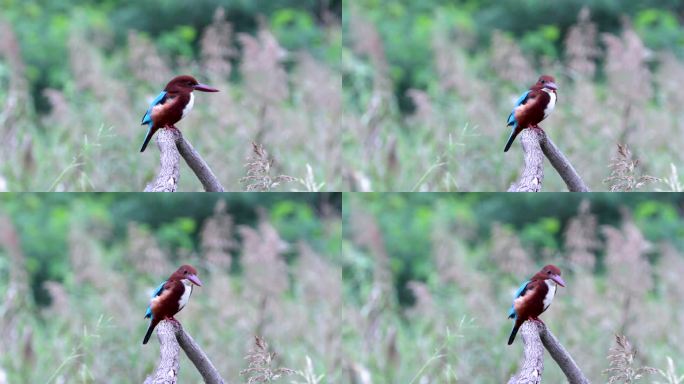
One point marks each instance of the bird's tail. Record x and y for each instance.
(512, 137)
(153, 324)
(514, 332)
(150, 131)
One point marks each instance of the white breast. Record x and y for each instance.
(191, 103)
(550, 294)
(186, 294)
(552, 102)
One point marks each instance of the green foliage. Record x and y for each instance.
(44, 221)
(444, 316)
(660, 29)
(90, 292)
(407, 28)
(84, 71)
(44, 28)
(544, 41)
(538, 220)
(177, 234)
(178, 41)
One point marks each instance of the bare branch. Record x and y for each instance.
(172, 338)
(562, 358)
(172, 146)
(533, 172)
(533, 362)
(199, 166)
(199, 358)
(562, 165)
(535, 143)
(169, 363)
(169, 170)
(534, 336)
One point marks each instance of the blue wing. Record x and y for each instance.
(521, 100)
(518, 293)
(156, 293)
(159, 100)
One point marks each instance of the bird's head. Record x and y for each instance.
(187, 84)
(546, 81)
(550, 272)
(186, 272)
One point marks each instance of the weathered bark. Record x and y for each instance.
(535, 336)
(533, 172)
(172, 338)
(199, 358)
(536, 143)
(562, 165)
(562, 358)
(172, 146)
(169, 169)
(169, 363)
(532, 365)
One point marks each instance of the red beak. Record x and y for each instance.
(204, 88)
(551, 85)
(195, 280)
(558, 280)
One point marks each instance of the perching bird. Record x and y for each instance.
(172, 104)
(534, 297)
(532, 107)
(170, 297)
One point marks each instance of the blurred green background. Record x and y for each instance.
(76, 272)
(77, 76)
(430, 278)
(428, 87)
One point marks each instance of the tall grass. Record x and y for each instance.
(613, 91)
(287, 101)
(454, 328)
(92, 330)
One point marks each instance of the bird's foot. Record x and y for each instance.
(537, 320)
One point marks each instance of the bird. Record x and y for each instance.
(170, 297)
(172, 104)
(534, 297)
(532, 107)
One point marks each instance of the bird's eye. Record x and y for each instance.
(543, 81)
(548, 272)
(185, 272)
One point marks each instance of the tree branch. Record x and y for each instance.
(535, 143)
(172, 338)
(562, 358)
(534, 336)
(172, 146)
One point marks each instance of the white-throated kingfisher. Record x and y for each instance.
(170, 297)
(172, 104)
(532, 107)
(534, 297)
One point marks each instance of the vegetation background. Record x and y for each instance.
(430, 279)
(76, 274)
(428, 86)
(76, 77)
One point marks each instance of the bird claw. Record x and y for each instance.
(537, 320)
